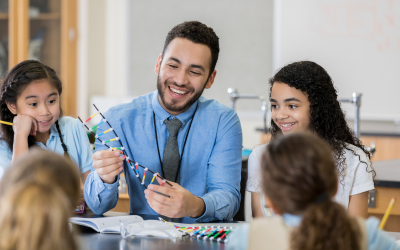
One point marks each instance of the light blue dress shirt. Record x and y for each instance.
(210, 167)
(376, 238)
(74, 137)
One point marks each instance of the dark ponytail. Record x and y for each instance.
(326, 226)
(13, 84)
(300, 178)
(62, 141)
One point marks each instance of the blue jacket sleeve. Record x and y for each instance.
(100, 196)
(224, 171)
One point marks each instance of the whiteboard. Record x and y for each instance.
(356, 41)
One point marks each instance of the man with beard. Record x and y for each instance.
(193, 142)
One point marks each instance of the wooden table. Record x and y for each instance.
(89, 239)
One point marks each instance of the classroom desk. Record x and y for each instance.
(387, 185)
(89, 239)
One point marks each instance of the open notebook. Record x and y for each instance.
(133, 225)
(102, 224)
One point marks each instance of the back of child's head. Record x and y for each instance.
(37, 196)
(300, 178)
(43, 166)
(14, 83)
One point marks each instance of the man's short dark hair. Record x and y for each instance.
(196, 32)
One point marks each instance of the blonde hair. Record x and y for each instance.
(37, 196)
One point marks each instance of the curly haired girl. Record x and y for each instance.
(303, 98)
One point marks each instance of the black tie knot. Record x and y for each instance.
(173, 126)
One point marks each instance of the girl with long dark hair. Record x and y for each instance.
(303, 98)
(30, 98)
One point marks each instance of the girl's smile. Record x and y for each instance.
(290, 108)
(41, 101)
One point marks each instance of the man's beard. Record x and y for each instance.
(172, 106)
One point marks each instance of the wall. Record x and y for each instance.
(245, 61)
(244, 29)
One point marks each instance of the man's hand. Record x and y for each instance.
(180, 203)
(108, 164)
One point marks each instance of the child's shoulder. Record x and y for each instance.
(137, 104)
(67, 122)
(355, 154)
(5, 156)
(258, 150)
(4, 145)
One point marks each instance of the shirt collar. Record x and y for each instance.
(162, 114)
(292, 220)
(54, 132)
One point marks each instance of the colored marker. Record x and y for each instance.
(223, 236)
(201, 235)
(192, 230)
(162, 183)
(213, 232)
(197, 231)
(219, 233)
(6, 123)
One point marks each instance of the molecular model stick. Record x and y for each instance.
(122, 148)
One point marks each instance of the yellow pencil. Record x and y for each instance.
(6, 123)
(387, 213)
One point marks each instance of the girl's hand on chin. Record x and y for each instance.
(24, 125)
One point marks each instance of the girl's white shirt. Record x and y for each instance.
(357, 174)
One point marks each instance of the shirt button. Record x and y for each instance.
(99, 185)
(109, 187)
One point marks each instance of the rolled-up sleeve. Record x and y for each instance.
(222, 200)
(100, 196)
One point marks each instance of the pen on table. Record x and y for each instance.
(208, 235)
(223, 236)
(198, 236)
(218, 234)
(198, 231)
